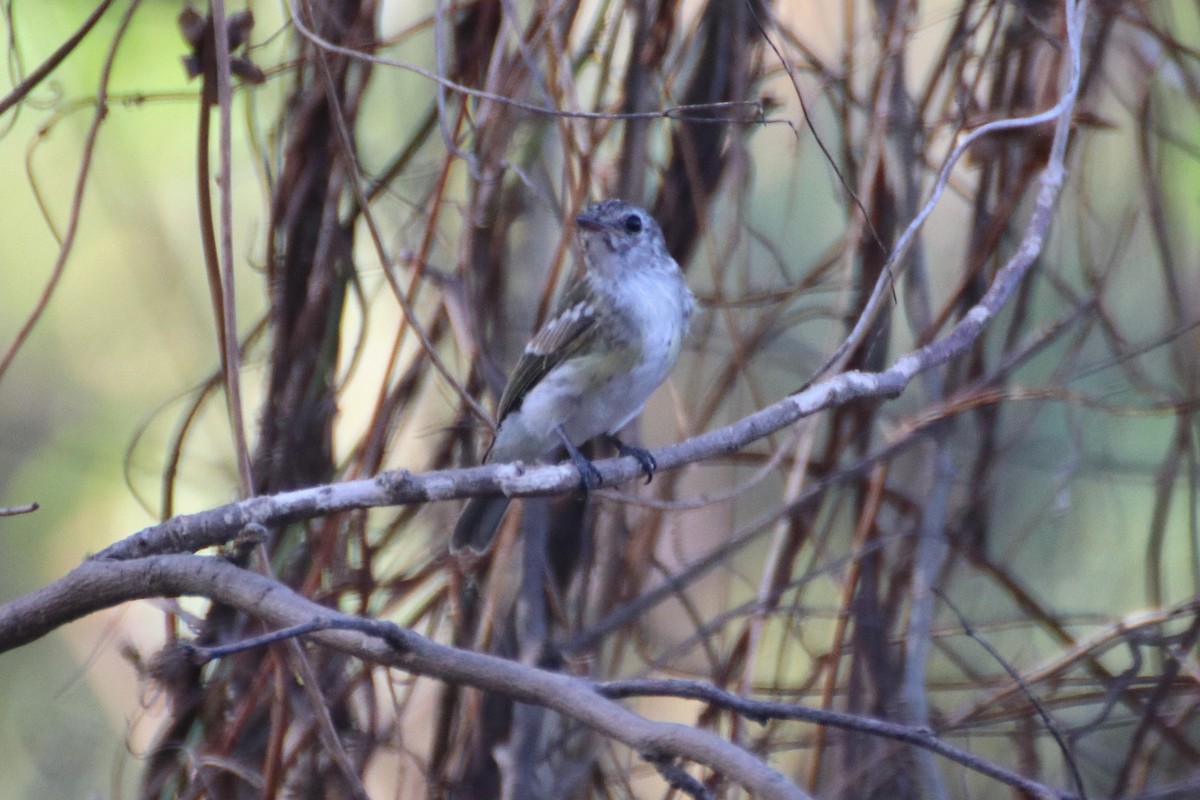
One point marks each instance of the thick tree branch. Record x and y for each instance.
(100, 584)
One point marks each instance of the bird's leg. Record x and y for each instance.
(638, 454)
(589, 476)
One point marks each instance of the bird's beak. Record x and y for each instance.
(589, 223)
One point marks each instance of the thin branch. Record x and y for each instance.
(829, 158)
(681, 112)
(677, 777)
(231, 357)
(50, 64)
(354, 175)
(1053, 173)
(932, 547)
(1016, 677)
(85, 170)
(761, 711)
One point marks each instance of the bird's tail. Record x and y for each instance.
(478, 524)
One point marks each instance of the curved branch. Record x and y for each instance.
(100, 584)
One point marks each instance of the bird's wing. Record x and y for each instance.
(561, 336)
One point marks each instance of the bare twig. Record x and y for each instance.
(681, 112)
(1051, 183)
(81, 179)
(231, 355)
(51, 63)
(12, 511)
(761, 711)
(678, 778)
(1016, 677)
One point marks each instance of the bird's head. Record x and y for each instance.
(618, 236)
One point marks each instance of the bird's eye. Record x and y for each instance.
(633, 224)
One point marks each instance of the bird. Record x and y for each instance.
(611, 340)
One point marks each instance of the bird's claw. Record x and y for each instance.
(644, 458)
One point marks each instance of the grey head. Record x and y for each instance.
(618, 236)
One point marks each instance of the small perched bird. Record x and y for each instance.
(610, 342)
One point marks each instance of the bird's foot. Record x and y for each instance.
(641, 455)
